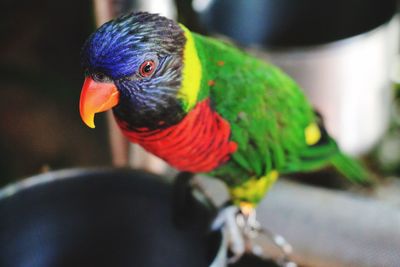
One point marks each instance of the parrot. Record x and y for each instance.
(205, 106)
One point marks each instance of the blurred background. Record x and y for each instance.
(341, 52)
(40, 83)
(344, 54)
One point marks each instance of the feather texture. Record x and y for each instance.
(210, 107)
(272, 122)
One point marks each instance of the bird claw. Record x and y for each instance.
(242, 227)
(226, 219)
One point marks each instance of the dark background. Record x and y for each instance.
(40, 83)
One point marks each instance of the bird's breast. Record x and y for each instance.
(199, 143)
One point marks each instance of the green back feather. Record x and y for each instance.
(268, 114)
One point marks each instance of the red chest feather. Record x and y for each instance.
(199, 143)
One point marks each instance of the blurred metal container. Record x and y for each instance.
(103, 217)
(340, 52)
(348, 81)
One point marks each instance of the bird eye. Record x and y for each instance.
(147, 68)
(100, 77)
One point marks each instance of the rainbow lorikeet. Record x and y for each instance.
(205, 106)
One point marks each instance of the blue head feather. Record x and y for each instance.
(119, 47)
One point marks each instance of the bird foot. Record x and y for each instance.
(226, 219)
(242, 228)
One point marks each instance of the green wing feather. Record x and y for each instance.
(268, 114)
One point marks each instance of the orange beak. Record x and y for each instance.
(96, 97)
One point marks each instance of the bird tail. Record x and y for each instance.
(351, 168)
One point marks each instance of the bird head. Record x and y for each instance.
(133, 65)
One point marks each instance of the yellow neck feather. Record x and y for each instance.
(191, 73)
